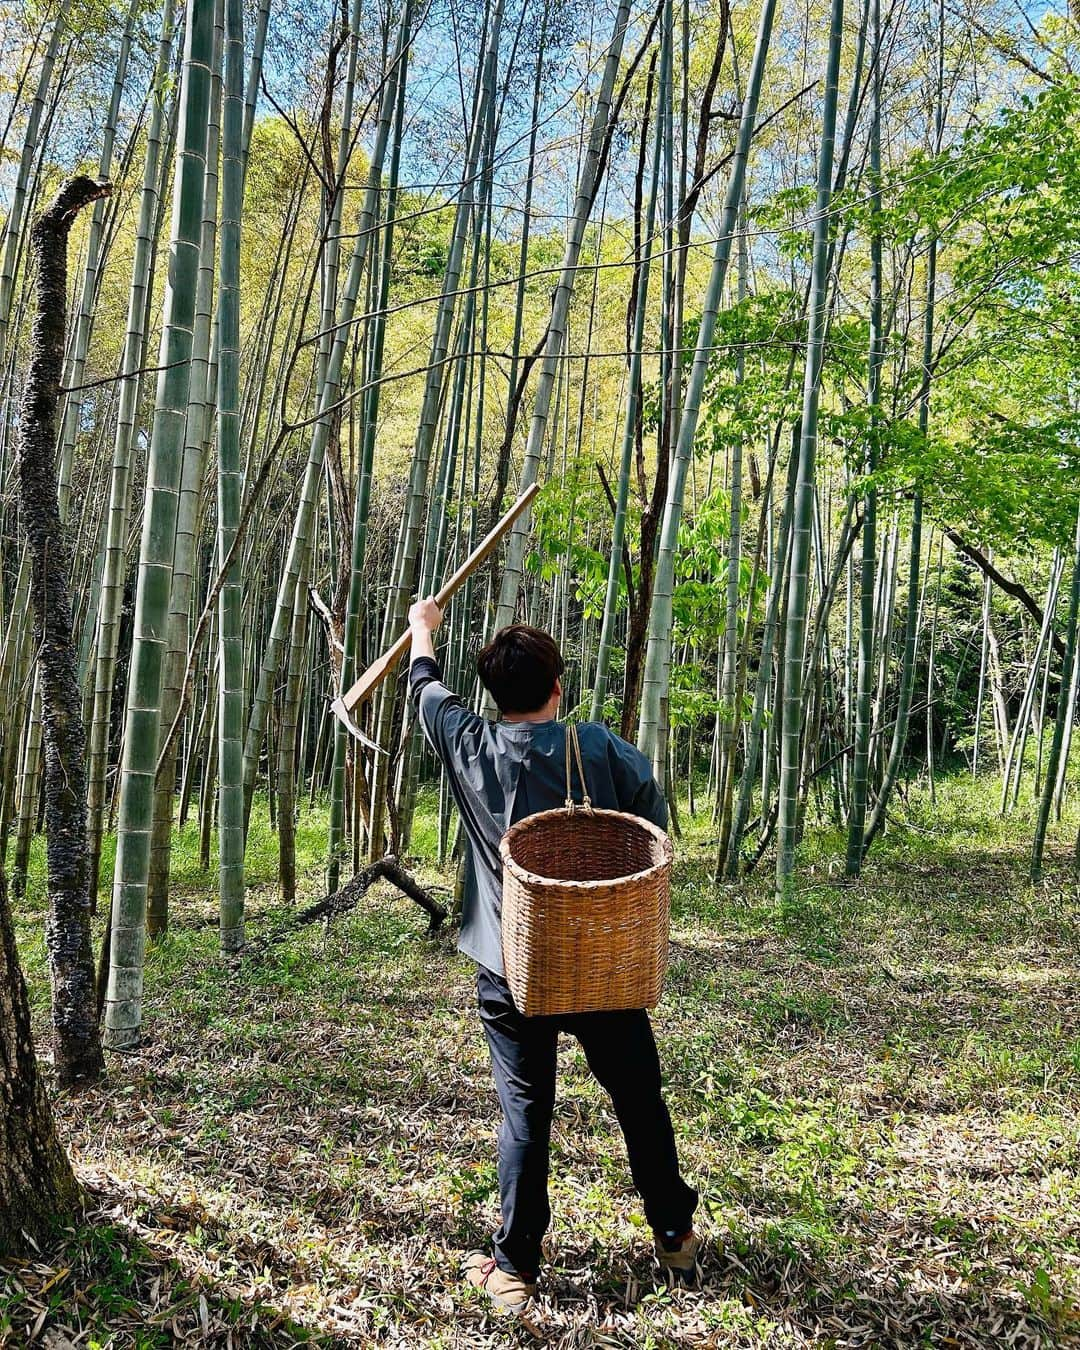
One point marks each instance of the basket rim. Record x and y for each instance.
(522, 874)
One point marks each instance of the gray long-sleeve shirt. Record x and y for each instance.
(500, 772)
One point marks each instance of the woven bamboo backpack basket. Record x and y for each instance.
(586, 906)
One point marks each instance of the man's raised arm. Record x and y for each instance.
(432, 699)
(424, 618)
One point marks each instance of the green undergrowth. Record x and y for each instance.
(875, 1086)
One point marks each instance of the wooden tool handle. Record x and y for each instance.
(380, 669)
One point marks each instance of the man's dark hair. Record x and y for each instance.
(519, 667)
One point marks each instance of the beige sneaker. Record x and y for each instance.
(679, 1258)
(508, 1291)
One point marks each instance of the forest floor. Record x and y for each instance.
(876, 1087)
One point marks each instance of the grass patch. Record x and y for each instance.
(874, 1085)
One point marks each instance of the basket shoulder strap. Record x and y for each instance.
(574, 745)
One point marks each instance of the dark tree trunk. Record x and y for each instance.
(637, 634)
(37, 1186)
(1013, 588)
(67, 929)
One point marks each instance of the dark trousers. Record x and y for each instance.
(621, 1053)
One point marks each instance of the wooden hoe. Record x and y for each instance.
(382, 668)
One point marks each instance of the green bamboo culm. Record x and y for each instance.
(802, 522)
(15, 688)
(380, 287)
(860, 764)
(1061, 721)
(911, 620)
(202, 398)
(84, 319)
(274, 646)
(588, 183)
(123, 1011)
(658, 651)
(112, 580)
(763, 680)
(733, 662)
(15, 220)
(230, 491)
(633, 403)
(403, 571)
(29, 793)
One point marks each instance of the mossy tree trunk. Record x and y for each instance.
(37, 1186)
(67, 931)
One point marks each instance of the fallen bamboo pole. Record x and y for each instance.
(346, 899)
